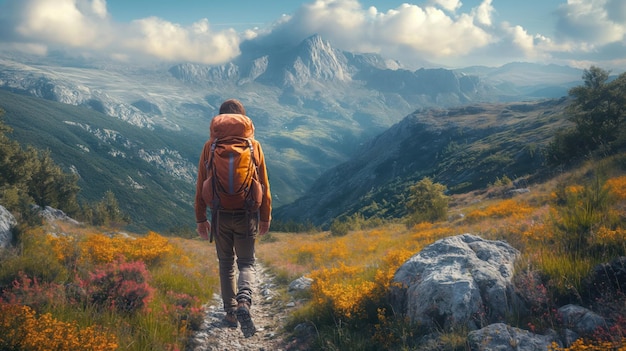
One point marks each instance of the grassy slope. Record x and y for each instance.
(163, 203)
(465, 148)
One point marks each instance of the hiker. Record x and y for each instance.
(234, 229)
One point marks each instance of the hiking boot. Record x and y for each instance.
(245, 320)
(231, 319)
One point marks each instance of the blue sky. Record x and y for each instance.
(448, 33)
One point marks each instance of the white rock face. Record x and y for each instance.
(7, 222)
(457, 281)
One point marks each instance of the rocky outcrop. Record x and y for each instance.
(465, 282)
(7, 222)
(502, 337)
(461, 280)
(52, 215)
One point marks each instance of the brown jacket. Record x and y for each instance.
(228, 125)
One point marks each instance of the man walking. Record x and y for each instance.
(240, 206)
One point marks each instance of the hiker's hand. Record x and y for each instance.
(203, 229)
(264, 227)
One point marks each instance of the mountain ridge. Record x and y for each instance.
(463, 148)
(313, 105)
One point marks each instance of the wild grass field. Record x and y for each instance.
(67, 287)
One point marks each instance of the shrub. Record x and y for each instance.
(584, 209)
(339, 228)
(22, 329)
(100, 248)
(184, 311)
(427, 202)
(36, 259)
(29, 291)
(120, 285)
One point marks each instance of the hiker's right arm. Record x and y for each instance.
(199, 205)
(203, 229)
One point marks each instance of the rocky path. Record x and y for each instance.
(268, 314)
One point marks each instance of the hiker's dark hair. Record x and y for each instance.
(232, 106)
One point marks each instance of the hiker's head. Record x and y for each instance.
(232, 106)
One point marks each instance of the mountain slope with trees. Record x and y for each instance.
(146, 171)
(469, 148)
(464, 148)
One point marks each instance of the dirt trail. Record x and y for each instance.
(268, 314)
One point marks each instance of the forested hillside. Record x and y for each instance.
(150, 178)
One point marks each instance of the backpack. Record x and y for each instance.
(233, 180)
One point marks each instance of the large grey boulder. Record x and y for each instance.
(581, 320)
(502, 337)
(462, 281)
(7, 222)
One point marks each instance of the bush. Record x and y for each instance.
(427, 202)
(22, 329)
(120, 285)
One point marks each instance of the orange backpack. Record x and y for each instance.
(233, 180)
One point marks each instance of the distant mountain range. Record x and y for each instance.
(314, 106)
(464, 148)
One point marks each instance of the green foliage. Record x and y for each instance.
(293, 226)
(106, 212)
(32, 177)
(341, 226)
(582, 212)
(29, 176)
(504, 181)
(34, 257)
(597, 110)
(427, 202)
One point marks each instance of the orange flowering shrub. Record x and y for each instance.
(582, 345)
(389, 265)
(65, 248)
(501, 209)
(343, 288)
(22, 329)
(100, 248)
(617, 186)
(429, 232)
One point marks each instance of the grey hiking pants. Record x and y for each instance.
(234, 241)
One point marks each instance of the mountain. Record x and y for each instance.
(464, 148)
(147, 170)
(521, 79)
(314, 106)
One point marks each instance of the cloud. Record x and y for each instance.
(65, 22)
(165, 40)
(448, 5)
(593, 21)
(406, 32)
(444, 32)
(85, 26)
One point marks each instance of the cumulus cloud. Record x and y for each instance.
(592, 21)
(449, 5)
(406, 32)
(36, 26)
(159, 38)
(444, 32)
